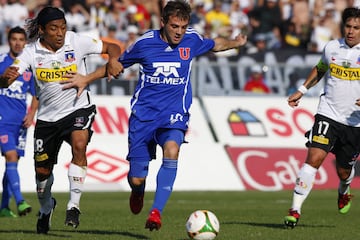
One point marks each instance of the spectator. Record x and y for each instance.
(217, 19)
(77, 18)
(15, 13)
(142, 16)
(259, 44)
(291, 38)
(57, 3)
(256, 82)
(246, 5)
(267, 20)
(133, 33)
(111, 38)
(197, 17)
(238, 19)
(321, 34)
(3, 6)
(131, 15)
(153, 7)
(117, 17)
(131, 73)
(98, 11)
(332, 20)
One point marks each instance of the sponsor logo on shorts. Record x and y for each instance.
(42, 157)
(320, 139)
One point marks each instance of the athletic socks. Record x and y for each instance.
(344, 185)
(43, 189)
(165, 181)
(303, 186)
(6, 193)
(13, 180)
(76, 175)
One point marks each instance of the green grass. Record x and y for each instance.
(242, 215)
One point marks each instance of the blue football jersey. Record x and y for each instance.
(164, 87)
(13, 99)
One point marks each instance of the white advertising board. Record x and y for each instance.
(203, 164)
(260, 120)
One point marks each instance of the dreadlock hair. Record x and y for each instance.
(46, 15)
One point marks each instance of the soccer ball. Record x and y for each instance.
(202, 225)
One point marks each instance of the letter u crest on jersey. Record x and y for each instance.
(184, 53)
(27, 76)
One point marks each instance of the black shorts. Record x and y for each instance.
(340, 139)
(49, 136)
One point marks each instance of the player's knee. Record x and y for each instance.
(134, 181)
(343, 173)
(79, 147)
(171, 150)
(42, 173)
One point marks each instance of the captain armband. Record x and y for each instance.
(322, 67)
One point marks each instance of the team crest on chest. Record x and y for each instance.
(26, 76)
(358, 60)
(69, 56)
(184, 53)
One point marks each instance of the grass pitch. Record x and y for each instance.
(242, 215)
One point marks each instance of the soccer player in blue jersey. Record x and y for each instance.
(160, 105)
(14, 121)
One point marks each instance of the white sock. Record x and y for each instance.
(344, 184)
(44, 194)
(303, 186)
(76, 175)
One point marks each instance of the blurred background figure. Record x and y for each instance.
(111, 38)
(77, 18)
(256, 82)
(267, 20)
(217, 18)
(197, 16)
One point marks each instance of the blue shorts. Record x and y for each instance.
(13, 137)
(144, 136)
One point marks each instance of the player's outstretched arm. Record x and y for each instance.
(222, 44)
(314, 77)
(113, 67)
(79, 81)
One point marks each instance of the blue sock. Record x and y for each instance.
(6, 194)
(165, 181)
(14, 180)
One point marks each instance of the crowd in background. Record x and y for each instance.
(270, 24)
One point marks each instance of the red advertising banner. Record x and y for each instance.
(274, 169)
